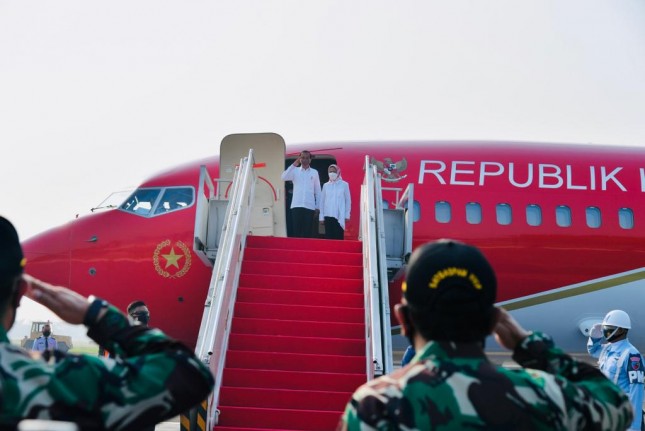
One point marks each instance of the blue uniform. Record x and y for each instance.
(408, 355)
(43, 343)
(622, 363)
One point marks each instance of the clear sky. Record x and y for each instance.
(96, 96)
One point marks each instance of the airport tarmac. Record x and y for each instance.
(169, 425)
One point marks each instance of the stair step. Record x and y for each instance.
(302, 269)
(300, 312)
(347, 246)
(245, 325)
(297, 346)
(306, 256)
(286, 344)
(297, 297)
(288, 282)
(282, 398)
(299, 380)
(310, 420)
(296, 362)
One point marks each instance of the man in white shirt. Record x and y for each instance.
(306, 195)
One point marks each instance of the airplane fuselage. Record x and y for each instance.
(561, 225)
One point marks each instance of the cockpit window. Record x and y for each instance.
(141, 201)
(175, 198)
(156, 201)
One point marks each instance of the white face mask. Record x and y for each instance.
(333, 176)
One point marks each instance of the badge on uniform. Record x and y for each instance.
(635, 373)
(635, 362)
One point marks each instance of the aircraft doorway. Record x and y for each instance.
(319, 162)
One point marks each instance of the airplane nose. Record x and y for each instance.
(48, 255)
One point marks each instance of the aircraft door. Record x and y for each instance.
(268, 214)
(320, 162)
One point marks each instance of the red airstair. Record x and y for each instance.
(291, 327)
(297, 346)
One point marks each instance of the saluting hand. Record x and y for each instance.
(67, 304)
(508, 332)
(596, 331)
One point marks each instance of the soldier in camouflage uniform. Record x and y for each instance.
(447, 310)
(155, 377)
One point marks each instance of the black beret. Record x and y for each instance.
(12, 261)
(450, 277)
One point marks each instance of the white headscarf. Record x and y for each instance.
(337, 171)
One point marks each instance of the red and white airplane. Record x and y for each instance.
(562, 224)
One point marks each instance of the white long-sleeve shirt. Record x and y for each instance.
(335, 201)
(306, 187)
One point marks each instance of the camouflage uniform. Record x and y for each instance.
(155, 378)
(453, 386)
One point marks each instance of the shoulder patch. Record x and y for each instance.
(635, 362)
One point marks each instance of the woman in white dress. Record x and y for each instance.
(335, 204)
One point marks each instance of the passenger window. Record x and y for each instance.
(473, 213)
(626, 218)
(504, 215)
(416, 211)
(533, 215)
(442, 212)
(593, 217)
(563, 216)
(175, 198)
(141, 201)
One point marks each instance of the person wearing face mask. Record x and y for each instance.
(618, 359)
(306, 195)
(139, 312)
(45, 341)
(335, 204)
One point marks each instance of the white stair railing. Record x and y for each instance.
(212, 342)
(377, 303)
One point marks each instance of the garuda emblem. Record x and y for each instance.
(171, 260)
(390, 171)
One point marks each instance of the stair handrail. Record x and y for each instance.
(375, 282)
(384, 283)
(370, 275)
(212, 342)
(402, 202)
(407, 203)
(206, 192)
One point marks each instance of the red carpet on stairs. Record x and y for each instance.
(297, 346)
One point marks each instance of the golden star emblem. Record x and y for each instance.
(172, 258)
